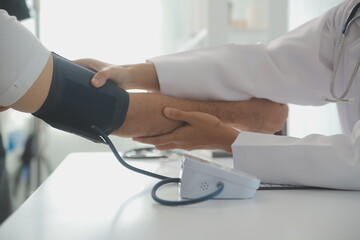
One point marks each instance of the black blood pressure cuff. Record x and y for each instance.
(74, 106)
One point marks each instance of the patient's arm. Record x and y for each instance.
(144, 113)
(145, 118)
(36, 95)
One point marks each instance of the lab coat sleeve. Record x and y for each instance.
(295, 68)
(316, 160)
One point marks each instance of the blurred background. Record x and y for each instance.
(130, 31)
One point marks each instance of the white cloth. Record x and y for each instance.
(22, 59)
(295, 68)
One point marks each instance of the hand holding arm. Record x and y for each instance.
(201, 131)
(255, 115)
(136, 76)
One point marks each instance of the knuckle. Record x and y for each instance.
(101, 73)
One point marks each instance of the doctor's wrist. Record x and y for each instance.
(229, 137)
(143, 76)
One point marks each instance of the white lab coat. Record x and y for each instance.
(295, 68)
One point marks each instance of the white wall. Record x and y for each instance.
(117, 31)
(301, 11)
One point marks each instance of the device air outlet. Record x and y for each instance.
(204, 186)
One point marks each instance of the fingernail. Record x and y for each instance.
(96, 81)
(167, 111)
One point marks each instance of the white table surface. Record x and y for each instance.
(91, 196)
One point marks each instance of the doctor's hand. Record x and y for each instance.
(201, 131)
(105, 71)
(136, 76)
(2, 109)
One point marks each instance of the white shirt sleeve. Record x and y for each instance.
(22, 59)
(316, 160)
(285, 70)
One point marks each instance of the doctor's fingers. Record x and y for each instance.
(2, 109)
(158, 140)
(118, 74)
(96, 66)
(178, 135)
(172, 146)
(92, 64)
(176, 114)
(169, 146)
(192, 118)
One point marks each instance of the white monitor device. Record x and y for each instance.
(200, 177)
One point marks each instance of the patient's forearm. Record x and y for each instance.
(145, 118)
